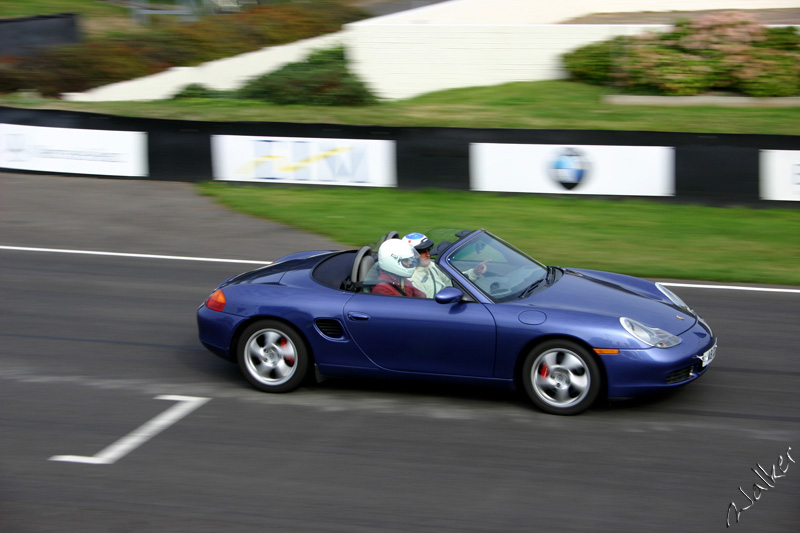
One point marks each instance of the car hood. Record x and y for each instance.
(585, 291)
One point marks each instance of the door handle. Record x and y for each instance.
(355, 315)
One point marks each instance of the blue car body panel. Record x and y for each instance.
(420, 335)
(475, 340)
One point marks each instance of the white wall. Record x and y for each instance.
(408, 60)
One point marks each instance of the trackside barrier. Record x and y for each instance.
(712, 169)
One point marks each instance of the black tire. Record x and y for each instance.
(272, 356)
(561, 377)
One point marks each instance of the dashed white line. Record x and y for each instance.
(732, 287)
(138, 256)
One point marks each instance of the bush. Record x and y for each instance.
(728, 51)
(322, 79)
(594, 63)
(769, 73)
(93, 63)
(77, 68)
(725, 33)
(9, 76)
(197, 90)
(663, 70)
(783, 38)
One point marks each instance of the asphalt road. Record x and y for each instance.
(91, 344)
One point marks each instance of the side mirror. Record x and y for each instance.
(449, 295)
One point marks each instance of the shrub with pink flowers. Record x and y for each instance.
(728, 51)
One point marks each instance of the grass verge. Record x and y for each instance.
(529, 105)
(641, 238)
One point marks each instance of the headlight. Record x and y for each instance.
(674, 298)
(652, 336)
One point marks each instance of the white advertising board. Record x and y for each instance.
(573, 169)
(780, 175)
(355, 162)
(73, 151)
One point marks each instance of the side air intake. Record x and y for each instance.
(330, 328)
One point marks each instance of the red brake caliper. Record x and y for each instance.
(289, 358)
(544, 371)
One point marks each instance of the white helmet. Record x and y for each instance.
(419, 241)
(398, 257)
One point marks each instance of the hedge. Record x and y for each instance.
(729, 51)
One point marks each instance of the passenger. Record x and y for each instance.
(396, 263)
(428, 277)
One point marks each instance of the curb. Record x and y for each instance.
(701, 100)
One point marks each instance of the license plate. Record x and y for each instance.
(707, 357)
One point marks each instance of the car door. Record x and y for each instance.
(421, 335)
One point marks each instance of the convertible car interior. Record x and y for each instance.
(357, 270)
(353, 271)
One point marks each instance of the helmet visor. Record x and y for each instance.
(410, 261)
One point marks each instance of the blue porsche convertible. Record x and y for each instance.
(565, 336)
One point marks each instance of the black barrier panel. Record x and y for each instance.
(724, 169)
(286, 129)
(709, 168)
(433, 158)
(179, 154)
(572, 137)
(717, 175)
(25, 36)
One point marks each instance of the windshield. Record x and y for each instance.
(509, 273)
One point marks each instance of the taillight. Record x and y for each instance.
(216, 302)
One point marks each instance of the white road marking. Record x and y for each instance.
(133, 440)
(139, 256)
(731, 287)
(217, 260)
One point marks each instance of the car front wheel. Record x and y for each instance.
(561, 377)
(272, 356)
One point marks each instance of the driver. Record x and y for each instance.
(396, 263)
(428, 276)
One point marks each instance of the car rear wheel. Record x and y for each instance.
(561, 377)
(272, 356)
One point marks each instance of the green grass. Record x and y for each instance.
(640, 238)
(526, 105)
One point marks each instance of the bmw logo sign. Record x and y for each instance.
(570, 168)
